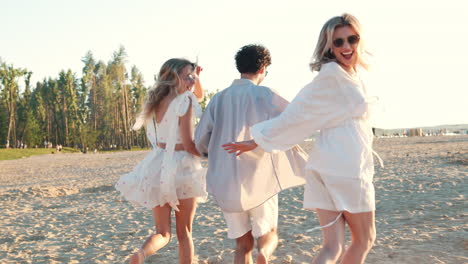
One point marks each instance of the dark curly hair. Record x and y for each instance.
(251, 58)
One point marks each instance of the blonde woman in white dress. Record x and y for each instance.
(340, 166)
(171, 175)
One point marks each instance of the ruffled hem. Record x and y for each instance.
(142, 186)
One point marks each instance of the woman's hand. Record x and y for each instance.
(198, 89)
(198, 70)
(240, 147)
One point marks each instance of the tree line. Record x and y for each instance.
(94, 111)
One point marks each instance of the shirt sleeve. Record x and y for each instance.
(278, 103)
(323, 103)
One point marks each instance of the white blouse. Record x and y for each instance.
(337, 104)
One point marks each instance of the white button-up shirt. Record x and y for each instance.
(245, 182)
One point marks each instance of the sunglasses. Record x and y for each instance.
(190, 78)
(339, 42)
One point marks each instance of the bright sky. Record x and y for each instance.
(420, 47)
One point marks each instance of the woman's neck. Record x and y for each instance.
(351, 70)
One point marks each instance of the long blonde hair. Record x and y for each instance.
(167, 82)
(323, 53)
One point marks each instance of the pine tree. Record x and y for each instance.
(9, 76)
(121, 90)
(138, 97)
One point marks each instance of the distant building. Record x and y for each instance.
(416, 132)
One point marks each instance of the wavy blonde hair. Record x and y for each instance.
(167, 82)
(323, 53)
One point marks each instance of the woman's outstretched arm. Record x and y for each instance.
(320, 104)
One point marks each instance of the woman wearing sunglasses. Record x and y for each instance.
(339, 185)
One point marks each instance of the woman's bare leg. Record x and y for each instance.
(162, 220)
(362, 229)
(333, 237)
(184, 219)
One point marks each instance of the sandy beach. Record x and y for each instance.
(63, 208)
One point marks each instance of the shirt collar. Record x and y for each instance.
(242, 82)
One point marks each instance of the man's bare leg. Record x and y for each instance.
(266, 245)
(244, 248)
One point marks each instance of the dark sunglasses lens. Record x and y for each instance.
(353, 39)
(338, 42)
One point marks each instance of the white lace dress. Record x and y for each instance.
(164, 175)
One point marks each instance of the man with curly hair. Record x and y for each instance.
(246, 187)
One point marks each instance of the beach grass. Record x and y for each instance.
(13, 153)
(134, 148)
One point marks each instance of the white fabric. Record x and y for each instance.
(261, 220)
(141, 186)
(163, 135)
(244, 182)
(168, 160)
(327, 225)
(336, 104)
(177, 108)
(151, 132)
(338, 194)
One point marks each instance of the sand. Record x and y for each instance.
(63, 208)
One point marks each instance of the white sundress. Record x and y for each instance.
(165, 175)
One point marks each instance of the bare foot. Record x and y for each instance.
(261, 258)
(137, 258)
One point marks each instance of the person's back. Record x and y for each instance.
(233, 111)
(170, 177)
(162, 121)
(246, 187)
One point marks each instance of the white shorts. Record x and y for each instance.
(338, 193)
(260, 220)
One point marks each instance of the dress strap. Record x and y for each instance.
(151, 133)
(378, 158)
(327, 225)
(167, 192)
(369, 147)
